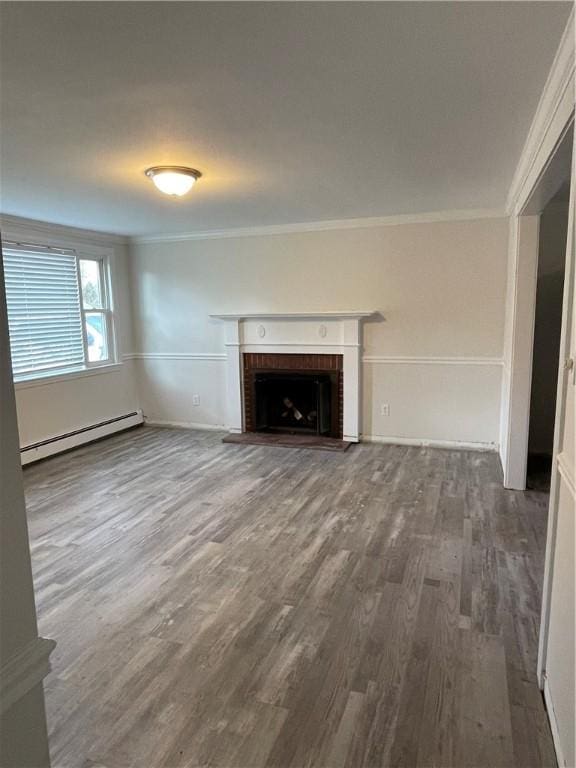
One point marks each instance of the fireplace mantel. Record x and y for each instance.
(330, 332)
(343, 315)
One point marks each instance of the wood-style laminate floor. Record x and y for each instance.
(238, 606)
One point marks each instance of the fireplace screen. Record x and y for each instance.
(293, 402)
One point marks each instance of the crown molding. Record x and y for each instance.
(471, 214)
(18, 227)
(556, 105)
(551, 119)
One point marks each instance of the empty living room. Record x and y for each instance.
(287, 384)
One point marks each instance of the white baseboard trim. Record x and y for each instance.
(61, 443)
(419, 442)
(24, 671)
(151, 422)
(553, 725)
(422, 442)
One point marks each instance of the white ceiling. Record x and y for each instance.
(294, 112)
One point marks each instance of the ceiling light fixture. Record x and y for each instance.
(173, 179)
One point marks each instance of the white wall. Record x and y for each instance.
(435, 358)
(47, 408)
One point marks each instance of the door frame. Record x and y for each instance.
(542, 165)
(541, 169)
(566, 378)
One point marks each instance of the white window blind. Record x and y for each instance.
(44, 310)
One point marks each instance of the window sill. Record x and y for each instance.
(42, 381)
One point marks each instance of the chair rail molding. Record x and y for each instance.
(430, 360)
(24, 670)
(366, 359)
(218, 356)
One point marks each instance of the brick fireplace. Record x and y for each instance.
(324, 345)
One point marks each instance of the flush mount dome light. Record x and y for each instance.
(173, 179)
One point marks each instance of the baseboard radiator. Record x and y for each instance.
(65, 442)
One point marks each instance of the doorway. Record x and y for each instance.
(547, 332)
(524, 262)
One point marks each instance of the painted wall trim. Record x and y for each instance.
(24, 671)
(424, 442)
(557, 90)
(44, 381)
(14, 226)
(391, 360)
(221, 357)
(431, 217)
(553, 724)
(518, 382)
(566, 473)
(366, 359)
(201, 427)
(343, 314)
(421, 442)
(83, 435)
(276, 346)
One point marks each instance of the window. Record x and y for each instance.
(59, 314)
(94, 312)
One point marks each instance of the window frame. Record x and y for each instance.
(104, 257)
(105, 310)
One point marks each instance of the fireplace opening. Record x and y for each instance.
(298, 394)
(294, 403)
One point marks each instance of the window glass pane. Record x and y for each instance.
(91, 284)
(44, 315)
(97, 336)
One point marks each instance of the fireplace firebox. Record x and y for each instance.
(293, 394)
(294, 403)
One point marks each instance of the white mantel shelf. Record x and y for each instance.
(330, 332)
(343, 315)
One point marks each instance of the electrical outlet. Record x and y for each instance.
(385, 409)
(195, 399)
